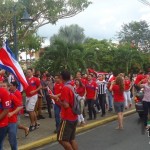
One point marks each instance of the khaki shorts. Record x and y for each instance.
(31, 102)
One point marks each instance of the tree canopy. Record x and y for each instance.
(136, 33)
(42, 12)
(67, 52)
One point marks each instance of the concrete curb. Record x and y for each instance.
(53, 138)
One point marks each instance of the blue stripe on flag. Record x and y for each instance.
(9, 50)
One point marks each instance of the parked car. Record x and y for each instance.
(139, 104)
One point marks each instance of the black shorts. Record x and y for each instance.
(66, 131)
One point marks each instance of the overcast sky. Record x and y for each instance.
(103, 18)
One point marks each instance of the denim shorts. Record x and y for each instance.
(119, 106)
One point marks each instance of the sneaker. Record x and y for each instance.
(26, 115)
(31, 128)
(99, 111)
(37, 125)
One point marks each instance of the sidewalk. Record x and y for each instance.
(47, 127)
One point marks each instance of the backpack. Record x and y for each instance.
(76, 108)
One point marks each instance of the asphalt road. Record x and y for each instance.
(107, 138)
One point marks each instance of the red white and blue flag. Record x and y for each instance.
(10, 64)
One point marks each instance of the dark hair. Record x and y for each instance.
(80, 83)
(119, 82)
(57, 75)
(65, 75)
(30, 69)
(14, 83)
(91, 74)
(48, 75)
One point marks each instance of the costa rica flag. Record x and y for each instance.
(10, 64)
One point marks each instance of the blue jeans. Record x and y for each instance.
(146, 106)
(12, 135)
(57, 115)
(110, 99)
(3, 133)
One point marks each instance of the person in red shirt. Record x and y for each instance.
(80, 89)
(139, 78)
(58, 85)
(117, 87)
(4, 109)
(78, 76)
(17, 93)
(15, 107)
(31, 98)
(91, 93)
(67, 128)
(127, 93)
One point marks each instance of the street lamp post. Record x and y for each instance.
(25, 19)
(15, 33)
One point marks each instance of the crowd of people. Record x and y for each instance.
(99, 92)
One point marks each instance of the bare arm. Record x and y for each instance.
(111, 86)
(15, 111)
(62, 103)
(4, 113)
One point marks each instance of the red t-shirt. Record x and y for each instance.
(57, 90)
(72, 82)
(34, 83)
(127, 84)
(68, 96)
(139, 78)
(18, 94)
(118, 95)
(83, 80)
(15, 102)
(80, 90)
(4, 104)
(90, 89)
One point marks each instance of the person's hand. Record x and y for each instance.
(144, 80)
(53, 96)
(10, 114)
(32, 92)
(95, 98)
(113, 82)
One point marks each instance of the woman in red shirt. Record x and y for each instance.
(80, 89)
(118, 89)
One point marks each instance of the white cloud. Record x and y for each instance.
(103, 18)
